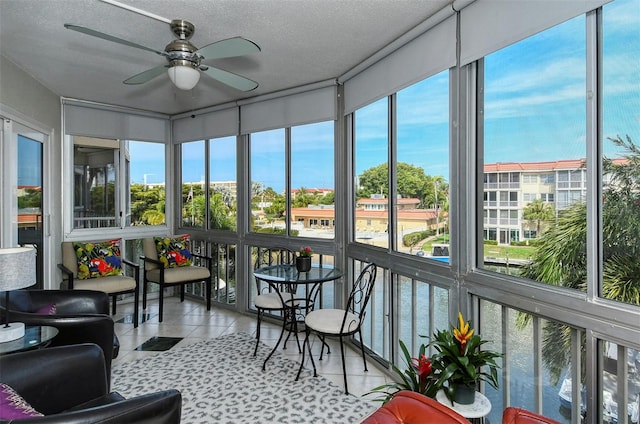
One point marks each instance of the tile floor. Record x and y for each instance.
(191, 321)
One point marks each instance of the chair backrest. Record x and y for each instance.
(273, 256)
(360, 294)
(150, 251)
(69, 258)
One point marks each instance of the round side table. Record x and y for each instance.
(36, 336)
(475, 411)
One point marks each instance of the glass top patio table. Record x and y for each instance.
(283, 274)
(289, 274)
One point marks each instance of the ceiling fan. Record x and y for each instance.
(185, 60)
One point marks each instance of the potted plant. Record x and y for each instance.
(417, 377)
(455, 368)
(460, 363)
(303, 260)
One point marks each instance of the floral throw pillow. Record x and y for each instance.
(98, 259)
(13, 406)
(174, 252)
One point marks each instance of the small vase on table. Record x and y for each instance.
(303, 263)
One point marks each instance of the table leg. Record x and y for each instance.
(284, 326)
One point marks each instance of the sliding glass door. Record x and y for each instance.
(23, 212)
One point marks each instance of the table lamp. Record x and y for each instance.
(17, 271)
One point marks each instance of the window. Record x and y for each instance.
(222, 183)
(95, 174)
(193, 184)
(313, 185)
(117, 183)
(535, 118)
(267, 170)
(546, 197)
(422, 168)
(548, 179)
(371, 167)
(621, 135)
(147, 190)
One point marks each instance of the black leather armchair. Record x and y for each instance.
(69, 385)
(81, 316)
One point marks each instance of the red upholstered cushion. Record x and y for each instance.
(513, 415)
(413, 408)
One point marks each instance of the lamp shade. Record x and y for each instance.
(17, 268)
(184, 77)
(17, 271)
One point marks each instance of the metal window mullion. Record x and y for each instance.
(414, 315)
(432, 313)
(287, 185)
(622, 376)
(392, 143)
(576, 383)
(537, 363)
(506, 371)
(387, 330)
(207, 184)
(594, 153)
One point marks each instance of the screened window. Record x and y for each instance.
(312, 179)
(371, 168)
(621, 136)
(267, 170)
(117, 183)
(193, 210)
(222, 183)
(422, 168)
(95, 171)
(534, 115)
(147, 188)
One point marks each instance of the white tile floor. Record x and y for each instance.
(194, 323)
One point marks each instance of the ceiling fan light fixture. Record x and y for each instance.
(185, 77)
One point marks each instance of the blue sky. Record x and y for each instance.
(29, 160)
(534, 111)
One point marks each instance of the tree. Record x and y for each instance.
(561, 255)
(538, 212)
(302, 198)
(147, 205)
(411, 180)
(220, 214)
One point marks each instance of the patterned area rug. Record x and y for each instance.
(221, 382)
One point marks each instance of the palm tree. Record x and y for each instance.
(538, 212)
(561, 260)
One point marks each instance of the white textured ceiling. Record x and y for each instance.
(302, 42)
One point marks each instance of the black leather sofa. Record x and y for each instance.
(81, 316)
(69, 385)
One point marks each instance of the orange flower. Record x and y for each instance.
(462, 333)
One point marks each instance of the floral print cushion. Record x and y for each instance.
(174, 252)
(98, 259)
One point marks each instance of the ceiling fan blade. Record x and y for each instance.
(108, 37)
(231, 47)
(230, 79)
(147, 75)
